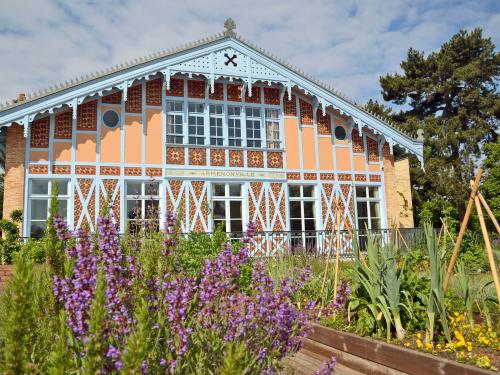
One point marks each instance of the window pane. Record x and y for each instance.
(62, 187)
(360, 191)
(294, 190)
(309, 224)
(362, 209)
(152, 188)
(218, 190)
(295, 211)
(234, 111)
(235, 190)
(219, 210)
(134, 188)
(134, 209)
(373, 191)
(63, 208)
(375, 224)
(362, 224)
(235, 209)
(39, 209)
(152, 209)
(39, 187)
(236, 226)
(309, 210)
(296, 225)
(37, 228)
(220, 224)
(309, 191)
(374, 209)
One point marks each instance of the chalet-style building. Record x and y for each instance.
(219, 131)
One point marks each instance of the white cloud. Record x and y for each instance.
(348, 44)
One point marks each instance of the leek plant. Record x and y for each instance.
(436, 303)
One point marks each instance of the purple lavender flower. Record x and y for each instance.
(328, 367)
(61, 228)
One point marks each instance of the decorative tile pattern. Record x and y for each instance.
(235, 158)
(272, 95)
(274, 159)
(39, 169)
(110, 171)
(63, 125)
(375, 178)
(175, 199)
(306, 112)
(386, 151)
(111, 195)
(234, 92)
(293, 176)
(198, 216)
(257, 205)
(115, 98)
(154, 172)
(372, 146)
(85, 169)
(87, 116)
(197, 156)
(218, 157)
(61, 169)
(255, 159)
(86, 189)
(153, 92)
(327, 176)
(176, 87)
(255, 98)
(277, 215)
(357, 142)
(175, 155)
(133, 171)
(327, 198)
(345, 177)
(39, 137)
(310, 176)
(218, 92)
(324, 125)
(290, 106)
(196, 89)
(360, 177)
(134, 99)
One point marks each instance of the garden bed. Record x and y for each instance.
(369, 356)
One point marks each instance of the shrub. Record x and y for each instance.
(9, 241)
(35, 249)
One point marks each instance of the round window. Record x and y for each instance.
(111, 118)
(340, 133)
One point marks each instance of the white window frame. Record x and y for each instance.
(198, 136)
(216, 140)
(304, 236)
(142, 198)
(273, 133)
(47, 197)
(234, 141)
(174, 137)
(256, 126)
(367, 200)
(227, 198)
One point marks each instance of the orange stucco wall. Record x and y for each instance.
(292, 143)
(39, 155)
(308, 148)
(325, 154)
(342, 155)
(110, 141)
(133, 139)
(86, 147)
(359, 163)
(154, 136)
(62, 151)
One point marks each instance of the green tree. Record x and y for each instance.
(452, 95)
(491, 184)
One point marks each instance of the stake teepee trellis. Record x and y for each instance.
(478, 200)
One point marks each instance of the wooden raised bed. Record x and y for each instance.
(362, 355)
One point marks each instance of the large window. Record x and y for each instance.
(234, 125)
(273, 128)
(39, 204)
(302, 215)
(227, 207)
(368, 207)
(216, 121)
(175, 119)
(253, 127)
(143, 205)
(196, 124)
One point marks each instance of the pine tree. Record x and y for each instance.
(491, 184)
(452, 95)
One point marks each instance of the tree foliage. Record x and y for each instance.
(452, 95)
(491, 184)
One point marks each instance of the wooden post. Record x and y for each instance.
(487, 243)
(463, 227)
(488, 210)
(337, 257)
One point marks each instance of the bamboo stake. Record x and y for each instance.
(446, 231)
(488, 210)
(463, 227)
(487, 243)
(337, 257)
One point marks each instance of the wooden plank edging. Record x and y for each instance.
(393, 356)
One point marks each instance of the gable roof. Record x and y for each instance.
(207, 57)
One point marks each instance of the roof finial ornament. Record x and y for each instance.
(230, 25)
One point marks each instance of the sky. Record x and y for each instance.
(346, 44)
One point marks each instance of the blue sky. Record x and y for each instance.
(347, 44)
